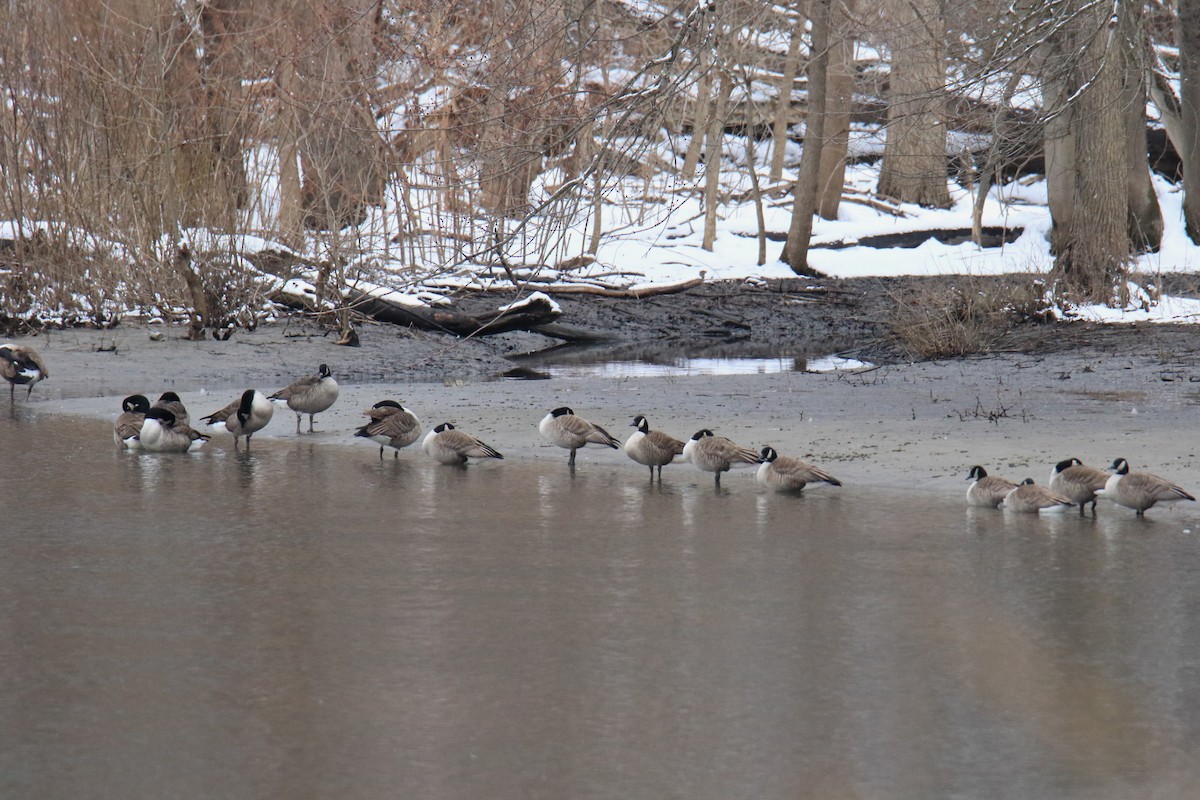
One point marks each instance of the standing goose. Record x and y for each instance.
(570, 432)
(171, 402)
(987, 491)
(129, 422)
(245, 416)
(716, 454)
(448, 445)
(651, 448)
(310, 395)
(1072, 478)
(162, 433)
(1029, 498)
(1140, 490)
(21, 365)
(391, 425)
(785, 474)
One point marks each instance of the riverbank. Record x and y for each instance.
(1091, 392)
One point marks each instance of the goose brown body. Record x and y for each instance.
(21, 365)
(446, 444)
(987, 491)
(1029, 498)
(787, 474)
(1074, 479)
(566, 430)
(245, 416)
(1140, 490)
(310, 395)
(716, 454)
(651, 448)
(391, 425)
(128, 424)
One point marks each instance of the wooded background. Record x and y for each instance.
(478, 132)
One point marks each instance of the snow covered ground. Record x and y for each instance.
(653, 233)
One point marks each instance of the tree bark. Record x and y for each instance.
(914, 156)
(783, 109)
(1188, 143)
(1092, 250)
(840, 93)
(714, 139)
(804, 202)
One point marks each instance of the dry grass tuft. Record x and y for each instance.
(964, 315)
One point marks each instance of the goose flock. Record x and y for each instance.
(165, 427)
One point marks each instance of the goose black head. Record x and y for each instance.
(641, 423)
(1120, 466)
(702, 433)
(977, 473)
(323, 371)
(445, 426)
(562, 411)
(169, 397)
(768, 454)
(135, 404)
(385, 403)
(163, 416)
(1067, 463)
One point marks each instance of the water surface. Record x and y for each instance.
(308, 621)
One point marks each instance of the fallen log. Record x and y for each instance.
(529, 313)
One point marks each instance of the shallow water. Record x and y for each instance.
(308, 621)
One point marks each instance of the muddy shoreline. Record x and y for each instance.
(1054, 391)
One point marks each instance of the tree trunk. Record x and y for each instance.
(804, 202)
(342, 152)
(840, 93)
(1188, 144)
(700, 117)
(1093, 249)
(714, 139)
(783, 109)
(1145, 217)
(914, 156)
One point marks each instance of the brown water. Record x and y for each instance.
(308, 622)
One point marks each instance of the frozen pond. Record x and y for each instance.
(310, 621)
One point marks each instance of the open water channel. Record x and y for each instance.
(306, 620)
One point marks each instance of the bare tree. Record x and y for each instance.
(804, 197)
(914, 156)
(1187, 141)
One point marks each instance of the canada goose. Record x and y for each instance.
(129, 422)
(21, 364)
(1072, 478)
(391, 425)
(310, 395)
(162, 433)
(784, 474)
(1139, 490)
(245, 416)
(651, 448)
(171, 402)
(716, 454)
(449, 445)
(987, 491)
(1029, 498)
(568, 431)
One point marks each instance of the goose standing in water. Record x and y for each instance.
(987, 491)
(310, 395)
(711, 453)
(562, 428)
(128, 424)
(785, 474)
(1140, 490)
(1074, 479)
(162, 433)
(446, 444)
(651, 448)
(245, 416)
(391, 425)
(21, 365)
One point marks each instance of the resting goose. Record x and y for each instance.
(21, 365)
(391, 425)
(785, 474)
(1140, 490)
(711, 453)
(570, 432)
(446, 444)
(650, 448)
